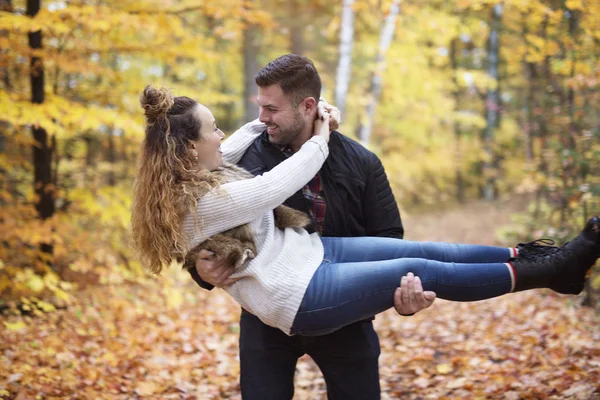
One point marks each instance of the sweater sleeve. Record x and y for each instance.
(234, 147)
(238, 203)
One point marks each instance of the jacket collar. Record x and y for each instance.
(264, 138)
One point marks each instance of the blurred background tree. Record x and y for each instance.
(462, 100)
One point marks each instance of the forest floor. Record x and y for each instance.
(165, 339)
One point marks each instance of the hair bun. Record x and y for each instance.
(156, 102)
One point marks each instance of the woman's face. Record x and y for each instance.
(209, 144)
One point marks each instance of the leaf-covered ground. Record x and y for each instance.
(147, 342)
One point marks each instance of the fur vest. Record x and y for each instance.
(237, 245)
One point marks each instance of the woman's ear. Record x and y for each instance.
(192, 149)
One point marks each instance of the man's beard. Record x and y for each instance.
(290, 133)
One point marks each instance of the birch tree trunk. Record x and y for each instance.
(492, 106)
(529, 97)
(460, 184)
(385, 39)
(251, 67)
(296, 27)
(345, 61)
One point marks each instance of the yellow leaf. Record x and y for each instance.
(91, 374)
(62, 295)
(444, 369)
(16, 326)
(146, 388)
(174, 298)
(45, 307)
(596, 283)
(110, 359)
(35, 283)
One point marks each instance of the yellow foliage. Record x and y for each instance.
(574, 4)
(428, 121)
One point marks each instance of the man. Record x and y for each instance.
(350, 196)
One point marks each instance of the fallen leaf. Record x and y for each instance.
(444, 369)
(147, 388)
(15, 326)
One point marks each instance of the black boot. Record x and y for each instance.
(561, 269)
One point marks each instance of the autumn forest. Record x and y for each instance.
(485, 114)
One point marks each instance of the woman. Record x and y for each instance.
(298, 282)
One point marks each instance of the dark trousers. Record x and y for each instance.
(347, 358)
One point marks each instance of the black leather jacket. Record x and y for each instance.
(358, 197)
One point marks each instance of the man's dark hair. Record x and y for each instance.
(296, 75)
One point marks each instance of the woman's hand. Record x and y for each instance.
(321, 126)
(334, 114)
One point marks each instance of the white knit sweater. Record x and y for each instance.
(273, 283)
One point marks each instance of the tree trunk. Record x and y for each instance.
(492, 106)
(345, 60)
(44, 147)
(251, 68)
(5, 5)
(124, 157)
(88, 166)
(111, 158)
(529, 96)
(385, 39)
(530, 124)
(460, 184)
(573, 125)
(297, 27)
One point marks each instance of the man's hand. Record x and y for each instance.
(214, 270)
(410, 298)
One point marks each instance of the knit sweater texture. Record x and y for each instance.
(274, 282)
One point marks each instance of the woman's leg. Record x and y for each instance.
(343, 293)
(360, 249)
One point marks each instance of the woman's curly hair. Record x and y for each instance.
(167, 183)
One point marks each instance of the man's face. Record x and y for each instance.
(284, 122)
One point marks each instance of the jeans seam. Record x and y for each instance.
(346, 302)
(462, 285)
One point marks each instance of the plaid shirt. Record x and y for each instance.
(314, 195)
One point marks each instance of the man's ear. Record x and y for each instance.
(309, 105)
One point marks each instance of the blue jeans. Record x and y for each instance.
(358, 277)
